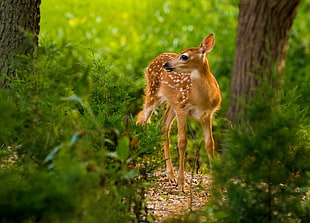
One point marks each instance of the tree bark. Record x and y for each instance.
(19, 30)
(263, 31)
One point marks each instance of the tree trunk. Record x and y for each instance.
(263, 31)
(19, 30)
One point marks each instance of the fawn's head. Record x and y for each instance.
(192, 58)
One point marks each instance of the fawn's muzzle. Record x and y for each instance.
(168, 67)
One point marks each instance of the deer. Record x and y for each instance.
(186, 83)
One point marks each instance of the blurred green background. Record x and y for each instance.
(130, 33)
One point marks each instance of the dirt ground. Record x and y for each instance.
(164, 200)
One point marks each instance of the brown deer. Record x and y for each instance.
(187, 84)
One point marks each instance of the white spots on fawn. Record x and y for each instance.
(157, 76)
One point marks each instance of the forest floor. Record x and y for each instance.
(163, 201)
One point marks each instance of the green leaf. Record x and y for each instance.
(220, 215)
(52, 154)
(113, 155)
(149, 218)
(131, 174)
(123, 149)
(76, 137)
(73, 98)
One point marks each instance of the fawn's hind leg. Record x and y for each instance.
(149, 107)
(207, 131)
(168, 120)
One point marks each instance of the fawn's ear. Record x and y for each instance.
(207, 44)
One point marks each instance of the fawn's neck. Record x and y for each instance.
(205, 91)
(202, 73)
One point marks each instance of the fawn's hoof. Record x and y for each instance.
(181, 186)
(171, 179)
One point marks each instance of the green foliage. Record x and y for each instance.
(36, 195)
(66, 153)
(263, 175)
(298, 54)
(7, 123)
(35, 92)
(68, 142)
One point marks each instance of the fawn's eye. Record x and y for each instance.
(184, 57)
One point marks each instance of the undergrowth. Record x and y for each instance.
(69, 149)
(263, 175)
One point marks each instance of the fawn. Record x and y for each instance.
(187, 84)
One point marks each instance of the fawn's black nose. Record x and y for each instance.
(168, 67)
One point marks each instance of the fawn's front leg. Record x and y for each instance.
(182, 143)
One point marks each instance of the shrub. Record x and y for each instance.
(66, 148)
(262, 177)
